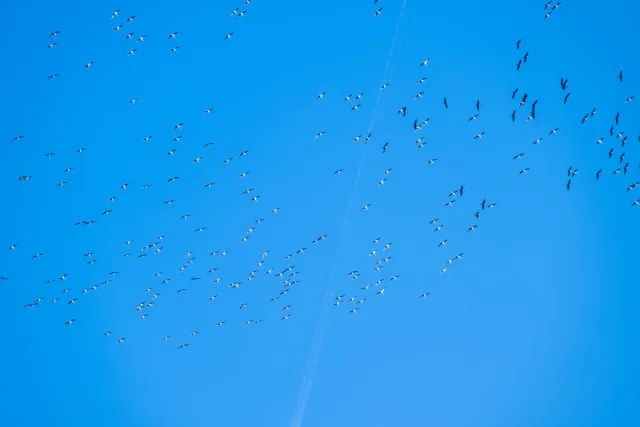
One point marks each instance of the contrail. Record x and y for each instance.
(314, 355)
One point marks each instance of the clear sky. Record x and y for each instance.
(534, 325)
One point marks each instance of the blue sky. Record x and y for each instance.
(534, 325)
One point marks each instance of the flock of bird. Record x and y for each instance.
(284, 269)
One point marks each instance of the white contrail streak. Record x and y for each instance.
(314, 355)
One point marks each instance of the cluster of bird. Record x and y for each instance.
(549, 9)
(288, 273)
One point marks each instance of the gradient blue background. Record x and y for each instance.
(535, 326)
